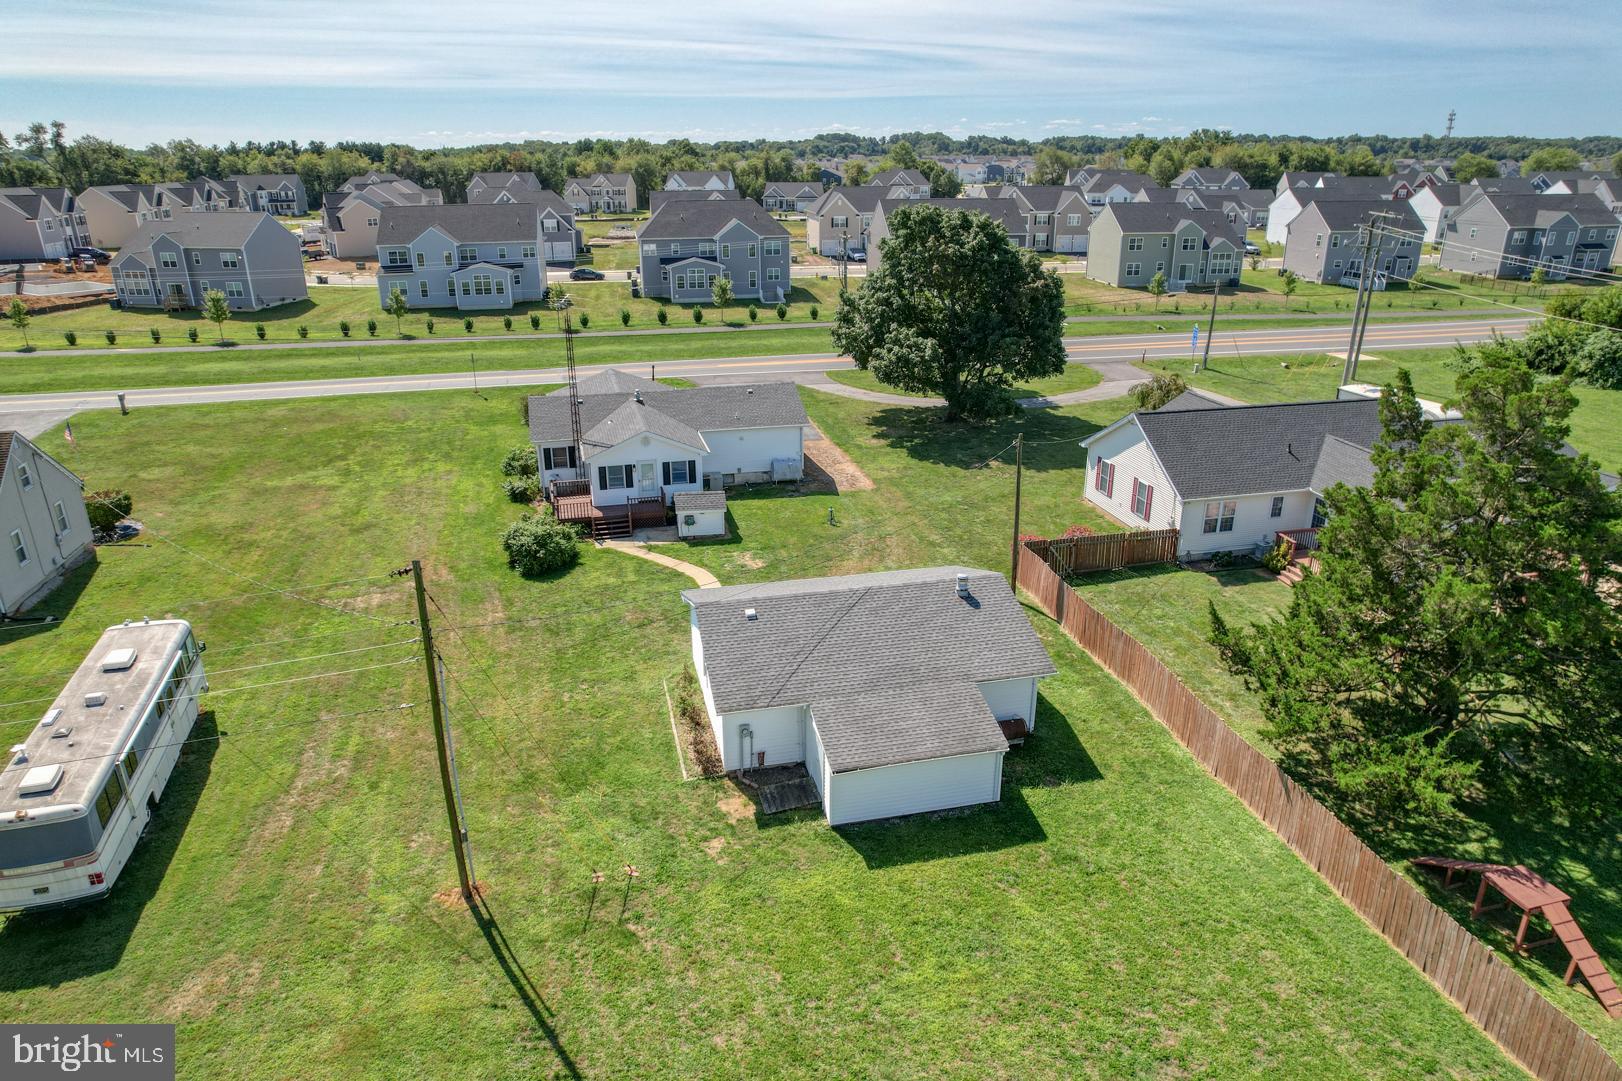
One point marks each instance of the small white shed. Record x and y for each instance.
(701, 514)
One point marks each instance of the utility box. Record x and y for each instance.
(701, 514)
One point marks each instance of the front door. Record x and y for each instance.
(647, 478)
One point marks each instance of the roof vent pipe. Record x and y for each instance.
(749, 614)
(638, 397)
(962, 584)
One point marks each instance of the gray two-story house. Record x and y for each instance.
(484, 187)
(1506, 235)
(700, 180)
(686, 246)
(1326, 242)
(791, 196)
(1209, 178)
(601, 193)
(840, 220)
(1132, 242)
(472, 256)
(1005, 212)
(560, 238)
(281, 194)
(39, 223)
(901, 184)
(1056, 218)
(246, 254)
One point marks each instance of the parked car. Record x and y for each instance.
(585, 274)
(96, 254)
(1251, 249)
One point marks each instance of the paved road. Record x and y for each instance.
(1110, 356)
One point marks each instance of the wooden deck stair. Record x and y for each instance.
(1584, 960)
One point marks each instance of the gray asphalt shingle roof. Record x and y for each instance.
(697, 409)
(697, 178)
(1138, 217)
(885, 660)
(633, 417)
(1341, 462)
(863, 198)
(1344, 214)
(200, 229)
(706, 218)
(1005, 212)
(700, 501)
(467, 223)
(612, 381)
(1541, 211)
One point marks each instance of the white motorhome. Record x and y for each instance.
(77, 793)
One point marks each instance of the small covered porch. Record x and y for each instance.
(572, 503)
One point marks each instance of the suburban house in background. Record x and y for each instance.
(1291, 200)
(39, 223)
(1607, 188)
(601, 193)
(248, 255)
(1229, 478)
(1056, 218)
(842, 215)
(282, 194)
(900, 184)
(1244, 207)
(43, 521)
(113, 212)
(699, 180)
(1005, 212)
(908, 708)
(1132, 242)
(485, 187)
(687, 245)
(1565, 179)
(1510, 236)
(1324, 243)
(202, 194)
(1102, 186)
(644, 443)
(471, 256)
(791, 195)
(658, 199)
(350, 214)
(1208, 178)
(1434, 205)
(560, 239)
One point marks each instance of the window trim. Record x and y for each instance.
(1147, 494)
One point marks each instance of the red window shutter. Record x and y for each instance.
(1148, 500)
(1109, 481)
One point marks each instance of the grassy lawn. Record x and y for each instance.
(1075, 377)
(1117, 914)
(331, 305)
(1596, 426)
(40, 372)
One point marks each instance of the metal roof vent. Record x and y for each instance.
(95, 698)
(750, 615)
(962, 584)
(40, 780)
(118, 659)
(50, 718)
(637, 397)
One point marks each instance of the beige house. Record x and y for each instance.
(42, 522)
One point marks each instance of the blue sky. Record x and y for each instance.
(443, 73)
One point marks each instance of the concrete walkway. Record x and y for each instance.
(703, 578)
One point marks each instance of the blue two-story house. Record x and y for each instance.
(686, 246)
(460, 255)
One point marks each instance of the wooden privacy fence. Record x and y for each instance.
(1074, 555)
(1544, 1040)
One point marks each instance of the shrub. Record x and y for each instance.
(111, 336)
(522, 489)
(814, 313)
(1078, 530)
(191, 334)
(664, 315)
(534, 321)
(506, 322)
(70, 337)
(107, 508)
(1277, 557)
(467, 325)
(538, 543)
(371, 327)
(303, 331)
(520, 461)
(782, 311)
(625, 317)
(585, 320)
(343, 327)
(430, 324)
(754, 313)
(1158, 391)
(156, 335)
(698, 314)
(259, 331)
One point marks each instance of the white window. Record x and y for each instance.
(1277, 510)
(1134, 243)
(1072, 219)
(679, 473)
(196, 258)
(448, 259)
(841, 221)
(168, 260)
(233, 289)
(397, 257)
(1041, 240)
(422, 258)
(675, 247)
(1519, 237)
(372, 222)
(1134, 269)
(650, 249)
(1104, 477)
(610, 477)
(1472, 232)
(230, 260)
(19, 549)
(481, 285)
(752, 251)
(1219, 516)
(774, 247)
(422, 289)
(1318, 240)
(24, 477)
(1042, 219)
(774, 274)
(1143, 499)
(467, 255)
(529, 251)
(501, 253)
(61, 515)
(557, 458)
(1334, 240)
(752, 281)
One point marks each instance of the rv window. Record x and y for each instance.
(109, 799)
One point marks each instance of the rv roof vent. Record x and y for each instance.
(40, 780)
(95, 698)
(19, 753)
(117, 660)
(962, 584)
(750, 614)
(50, 718)
(62, 733)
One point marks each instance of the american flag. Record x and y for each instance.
(67, 432)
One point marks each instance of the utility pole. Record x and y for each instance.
(844, 259)
(1354, 344)
(1019, 472)
(458, 838)
(1205, 360)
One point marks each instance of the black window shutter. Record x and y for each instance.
(630, 476)
(546, 457)
(692, 471)
(667, 472)
(602, 478)
(574, 462)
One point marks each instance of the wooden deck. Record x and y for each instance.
(616, 521)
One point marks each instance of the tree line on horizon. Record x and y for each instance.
(43, 155)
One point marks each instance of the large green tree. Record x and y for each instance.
(1462, 636)
(1468, 167)
(1551, 159)
(955, 309)
(1582, 337)
(1053, 165)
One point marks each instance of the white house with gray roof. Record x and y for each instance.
(900, 691)
(700, 180)
(174, 263)
(687, 245)
(601, 193)
(470, 256)
(643, 440)
(351, 214)
(42, 522)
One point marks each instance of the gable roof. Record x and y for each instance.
(796, 189)
(634, 416)
(1136, 217)
(1005, 212)
(1542, 211)
(892, 177)
(658, 199)
(696, 409)
(1191, 399)
(1209, 176)
(1341, 215)
(680, 219)
(264, 180)
(612, 180)
(1362, 186)
(612, 381)
(1102, 179)
(697, 178)
(466, 223)
(11, 441)
(1044, 198)
(887, 661)
(200, 229)
(863, 198)
(504, 180)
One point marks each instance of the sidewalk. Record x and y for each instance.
(703, 578)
